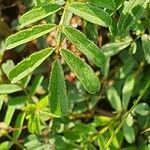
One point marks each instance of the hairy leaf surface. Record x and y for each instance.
(91, 13)
(58, 100)
(38, 13)
(84, 45)
(28, 65)
(27, 35)
(82, 71)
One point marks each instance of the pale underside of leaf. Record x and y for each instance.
(27, 35)
(112, 49)
(83, 71)
(90, 13)
(9, 88)
(85, 46)
(39, 13)
(58, 100)
(28, 65)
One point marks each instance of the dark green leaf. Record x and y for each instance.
(27, 35)
(82, 71)
(84, 45)
(9, 88)
(38, 13)
(36, 83)
(109, 4)
(132, 10)
(91, 13)
(146, 47)
(58, 100)
(28, 65)
(18, 126)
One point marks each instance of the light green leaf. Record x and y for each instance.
(58, 100)
(84, 45)
(146, 47)
(6, 67)
(127, 90)
(109, 4)
(142, 109)
(114, 48)
(27, 35)
(6, 145)
(128, 133)
(9, 115)
(18, 126)
(38, 13)
(82, 71)
(114, 99)
(90, 13)
(129, 120)
(28, 65)
(132, 10)
(9, 88)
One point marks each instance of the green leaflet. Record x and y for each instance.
(114, 48)
(146, 47)
(28, 65)
(38, 13)
(90, 13)
(84, 45)
(9, 115)
(109, 4)
(34, 125)
(82, 71)
(36, 83)
(18, 125)
(114, 99)
(129, 133)
(127, 90)
(9, 88)
(132, 10)
(58, 101)
(27, 35)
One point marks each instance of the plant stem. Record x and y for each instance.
(126, 115)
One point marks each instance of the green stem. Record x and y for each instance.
(126, 115)
(66, 16)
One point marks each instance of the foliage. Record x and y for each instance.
(67, 110)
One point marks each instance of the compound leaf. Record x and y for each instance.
(26, 66)
(82, 71)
